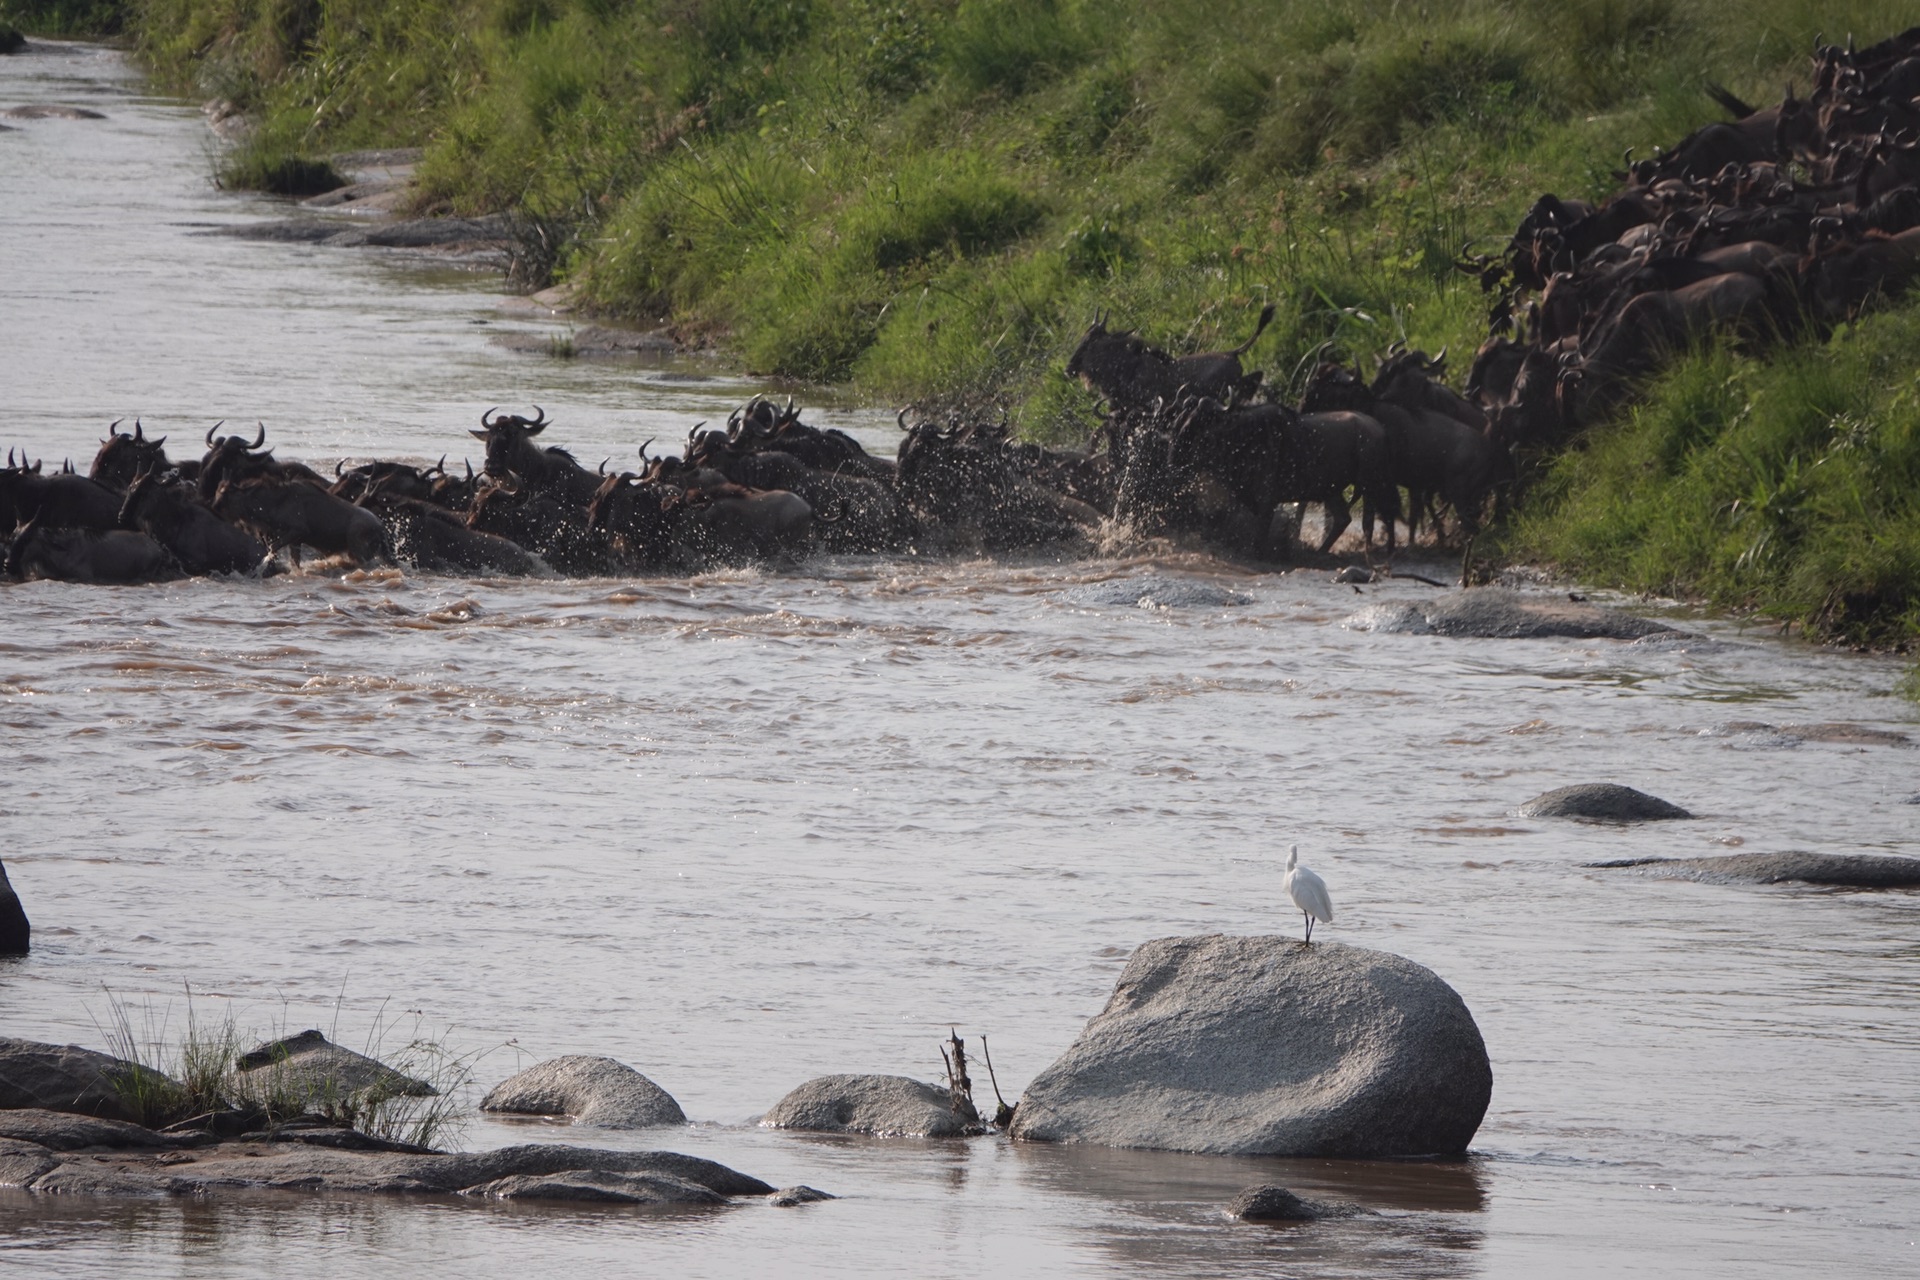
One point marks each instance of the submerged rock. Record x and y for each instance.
(1761, 733)
(787, 1197)
(593, 1091)
(1156, 592)
(600, 1185)
(1265, 1046)
(1500, 614)
(1852, 870)
(51, 111)
(883, 1106)
(310, 1069)
(16, 934)
(256, 1166)
(1268, 1203)
(58, 1077)
(1601, 802)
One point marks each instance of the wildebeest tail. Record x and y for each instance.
(1266, 318)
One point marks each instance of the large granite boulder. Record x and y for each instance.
(1848, 870)
(1266, 1046)
(65, 1131)
(15, 932)
(308, 1070)
(1496, 613)
(594, 1091)
(65, 1077)
(883, 1106)
(1601, 802)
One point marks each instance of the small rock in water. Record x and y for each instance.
(787, 1197)
(1912, 799)
(1846, 870)
(1601, 802)
(1265, 1046)
(16, 933)
(883, 1106)
(1268, 1203)
(593, 1091)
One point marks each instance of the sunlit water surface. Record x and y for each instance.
(749, 828)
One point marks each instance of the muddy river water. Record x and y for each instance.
(752, 827)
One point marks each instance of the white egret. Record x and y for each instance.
(1308, 891)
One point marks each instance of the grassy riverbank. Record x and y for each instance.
(929, 198)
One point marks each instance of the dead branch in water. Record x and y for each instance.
(1003, 1114)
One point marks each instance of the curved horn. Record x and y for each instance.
(112, 429)
(259, 439)
(139, 432)
(336, 468)
(487, 417)
(900, 419)
(468, 464)
(539, 423)
(215, 427)
(603, 466)
(643, 448)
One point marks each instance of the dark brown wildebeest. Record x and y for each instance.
(59, 501)
(197, 538)
(294, 514)
(116, 556)
(1132, 375)
(511, 452)
(124, 455)
(435, 540)
(234, 458)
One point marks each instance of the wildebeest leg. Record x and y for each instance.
(1337, 515)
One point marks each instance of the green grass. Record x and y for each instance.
(174, 1078)
(69, 19)
(929, 199)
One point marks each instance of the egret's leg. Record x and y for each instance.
(1308, 917)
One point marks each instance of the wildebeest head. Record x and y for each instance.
(232, 457)
(509, 441)
(125, 454)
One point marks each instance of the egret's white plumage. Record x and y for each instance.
(1308, 891)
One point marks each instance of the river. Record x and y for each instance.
(752, 827)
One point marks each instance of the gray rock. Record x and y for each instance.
(64, 1078)
(22, 1162)
(64, 1131)
(48, 111)
(308, 1069)
(1601, 802)
(1858, 871)
(1912, 799)
(884, 1106)
(599, 1186)
(15, 932)
(595, 1091)
(1265, 1046)
(1759, 732)
(1500, 614)
(1268, 1203)
(788, 1197)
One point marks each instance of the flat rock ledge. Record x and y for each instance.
(589, 1090)
(1847, 870)
(1265, 1046)
(1601, 802)
(879, 1106)
(1496, 613)
(533, 1172)
(1268, 1203)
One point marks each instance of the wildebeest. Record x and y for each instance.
(235, 458)
(197, 538)
(292, 514)
(435, 540)
(116, 556)
(59, 501)
(125, 454)
(511, 452)
(1132, 374)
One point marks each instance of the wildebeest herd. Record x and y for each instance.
(1786, 218)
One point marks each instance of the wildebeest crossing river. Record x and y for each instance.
(744, 827)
